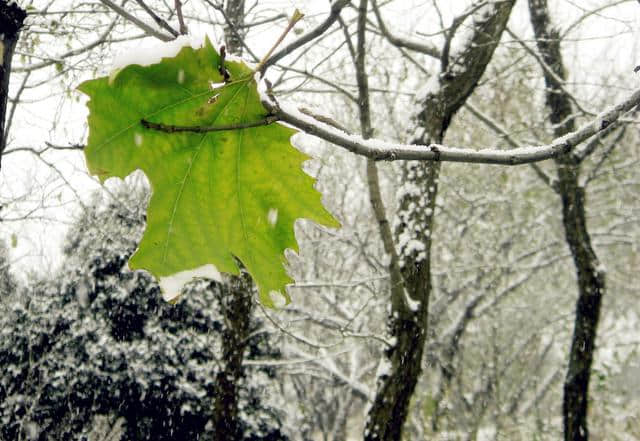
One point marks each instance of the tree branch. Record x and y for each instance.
(205, 129)
(549, 71)
(493, 125)
(373, 182)
(416, 46)
(14, 105)
(607, 152)
(295, 18)
(183, 27)
(102, 39)
(592, 145)
(389, 151)
(48, 147)
(149, 30)
(317, 31)
(159, 21)
(234, 31)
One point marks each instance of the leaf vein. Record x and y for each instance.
(186, 177)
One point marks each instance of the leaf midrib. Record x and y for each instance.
(188, 174)
(240, 208)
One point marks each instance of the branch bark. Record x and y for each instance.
(380, 150)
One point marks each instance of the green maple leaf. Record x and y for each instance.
(216, 195)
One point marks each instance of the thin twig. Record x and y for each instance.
(183, 27)
(347, 39)
(612, 145)
(102, 39)
(295, 18)
(234, 28)
(548, 70)
(493, 125)
(263, 21)
(49, 146)
(303, 340)
(159, 21)
(317, 31)
(322, 80)
(593, 144)
(422, 48)
(135, 20)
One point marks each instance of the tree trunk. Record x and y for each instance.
(11, 21)
(236, 296)
(235, 300)
(591, 288)
(407, 323)
(591, 278)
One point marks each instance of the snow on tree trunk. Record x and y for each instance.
(461, 68)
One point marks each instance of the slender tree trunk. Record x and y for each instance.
(235, 300)
(591, 288)
(236, 296)
(407, 323)
(11, 21)
(591, 278)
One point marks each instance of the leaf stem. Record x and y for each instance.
(168, 128)
(295, 18)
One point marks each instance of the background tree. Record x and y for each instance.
(590, 273)
(98, 342)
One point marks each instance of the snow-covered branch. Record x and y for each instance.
(389, 151)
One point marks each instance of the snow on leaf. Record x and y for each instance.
(171, 286)
(217, 195)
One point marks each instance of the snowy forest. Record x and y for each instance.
(474, 274)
